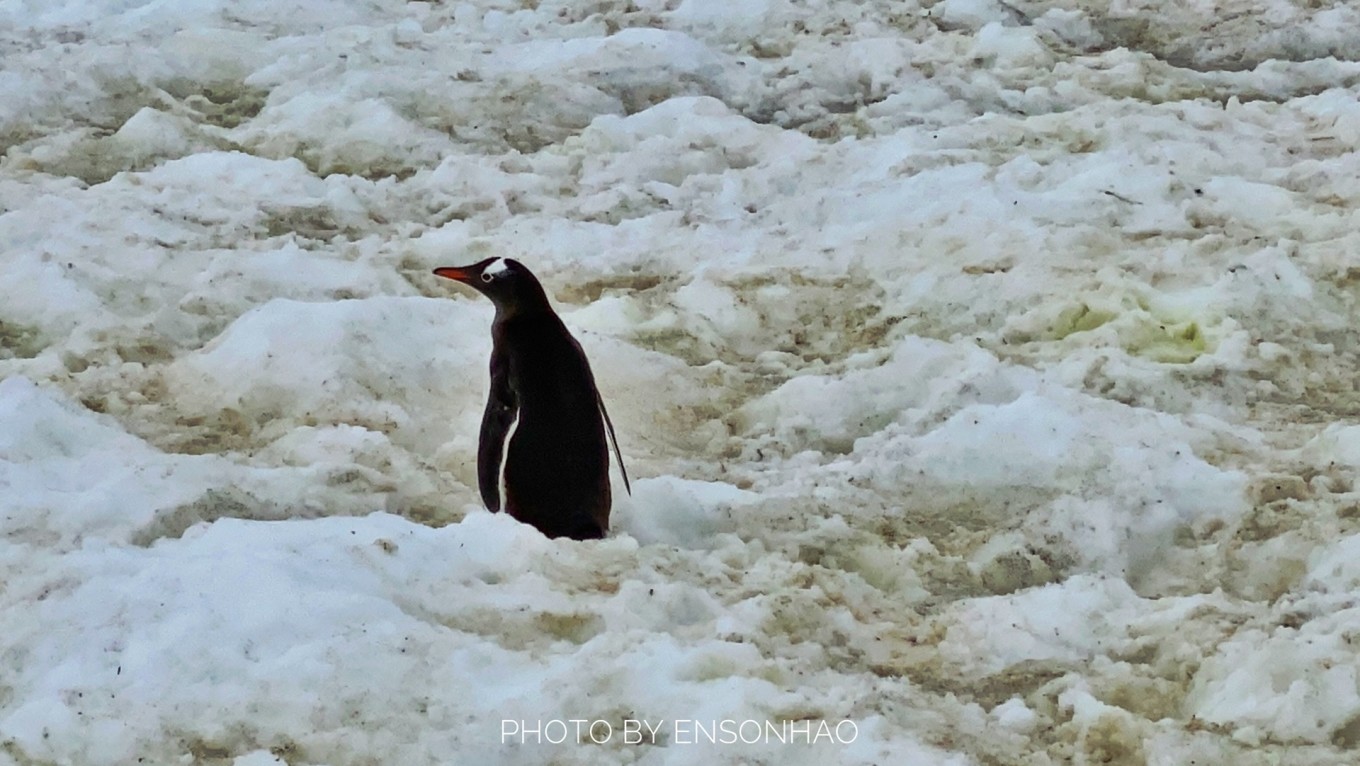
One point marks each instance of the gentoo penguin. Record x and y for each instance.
(556, 470)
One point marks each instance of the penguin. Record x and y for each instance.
(556, 469)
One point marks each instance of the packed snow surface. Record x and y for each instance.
(987, 372)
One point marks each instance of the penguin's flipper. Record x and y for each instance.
(500, 413)
(615, 441)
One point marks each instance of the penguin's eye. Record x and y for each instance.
(486, 277)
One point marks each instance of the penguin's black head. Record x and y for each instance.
(507, 282)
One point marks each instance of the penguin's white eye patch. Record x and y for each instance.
(495, 269)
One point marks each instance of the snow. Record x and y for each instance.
(985, 371)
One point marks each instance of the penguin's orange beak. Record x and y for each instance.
(455, 272)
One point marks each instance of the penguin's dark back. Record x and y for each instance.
(557, 462)
(548, 370)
